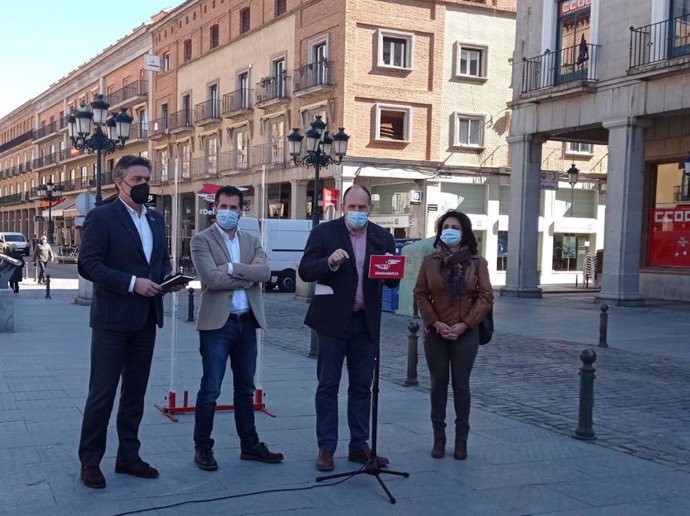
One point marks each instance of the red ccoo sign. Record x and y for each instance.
(386, 266)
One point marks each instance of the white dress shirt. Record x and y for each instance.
(240, 303)
(144, 230)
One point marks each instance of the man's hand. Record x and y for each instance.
(146, 287)
(223, 268)
(338, 257)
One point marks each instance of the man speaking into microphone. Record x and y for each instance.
(344, 312)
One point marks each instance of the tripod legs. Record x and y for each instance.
(371, 468)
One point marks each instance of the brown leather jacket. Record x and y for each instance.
(433, 298)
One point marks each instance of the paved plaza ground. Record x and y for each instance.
(522, 458)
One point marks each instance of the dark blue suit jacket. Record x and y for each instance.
(331, 314)
(110, 254)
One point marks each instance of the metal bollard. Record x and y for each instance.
(48, 286)
(603, 323)
(412, 338)
(190, 305)
(576, 280)
(584, 429)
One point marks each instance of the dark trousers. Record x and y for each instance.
(457, 357)
(236, 341)
(14, 285)
(41, 271)
(116, 354)
(358, 347)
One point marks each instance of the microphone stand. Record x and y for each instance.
(373, 467)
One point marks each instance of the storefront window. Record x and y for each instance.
(669, 235)
(570, 251)
(502, 251)
(465, 197)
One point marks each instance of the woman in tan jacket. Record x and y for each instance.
(454, 294)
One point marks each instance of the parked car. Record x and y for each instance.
(16, 239)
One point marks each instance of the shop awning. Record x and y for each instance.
(44, 203)
(65, 208)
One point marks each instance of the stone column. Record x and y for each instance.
(625, 201)
(298, 199)
(523, 229)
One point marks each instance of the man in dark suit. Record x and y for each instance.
(124, 253)
(344, 312)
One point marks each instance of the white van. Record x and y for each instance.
(18, 240)
(284, 241)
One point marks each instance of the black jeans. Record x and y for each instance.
(116, 354)
(456, 356)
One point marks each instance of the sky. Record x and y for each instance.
(40, 44)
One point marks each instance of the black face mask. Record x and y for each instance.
(139, 193)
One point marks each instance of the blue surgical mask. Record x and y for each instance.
(356, 219)
(227, 219)
(450, 236)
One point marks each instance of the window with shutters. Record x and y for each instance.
(393, 123)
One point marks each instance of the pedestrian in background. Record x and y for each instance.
(454, 294)
(124, 253)
(17, 275)
(345, 318)
(231, 265)
(43, 254)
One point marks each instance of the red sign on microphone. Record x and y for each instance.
(386, 266)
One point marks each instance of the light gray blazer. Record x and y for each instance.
(208, 253)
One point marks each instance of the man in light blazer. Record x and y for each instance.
(231, 265)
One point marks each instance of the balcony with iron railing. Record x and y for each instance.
(11, 199)
(45, 161)
(205, 167)
(158, 128)
(573, 66)
(49, 130)
(270, 154)
(138, 131)
(313, 78)
(207, 112)
(180, 121)
(129, 95)
(238, 102)
(233, 162)
(272, 90)
(18, 140)
(660, 44)
(161, 172)
(681, 193)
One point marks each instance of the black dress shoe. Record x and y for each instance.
(203, 458)
(261, 453)
(92, 477)
(136, 468)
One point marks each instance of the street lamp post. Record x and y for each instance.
(320, 145)
(50, 192)
(572, 179)
(84, 138)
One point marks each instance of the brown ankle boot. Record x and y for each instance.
(439, 449)
(460, 449)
